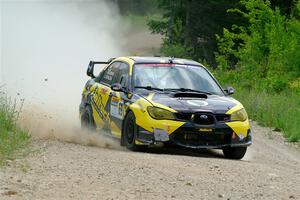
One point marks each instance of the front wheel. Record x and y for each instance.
(234, 152)
(129, 134)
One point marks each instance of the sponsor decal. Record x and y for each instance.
(241, 136)
(205, 130)
(115, 100)
(117, 108)
(104, 90)
(197, 102)
(203, 116)
(159, 65)
(99, 107)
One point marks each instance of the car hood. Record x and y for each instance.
(191, 102)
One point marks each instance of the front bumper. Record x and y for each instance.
(216, 138)
(196, 136)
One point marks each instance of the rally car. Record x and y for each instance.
(145, 101)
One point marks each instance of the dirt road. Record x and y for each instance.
(270, 170)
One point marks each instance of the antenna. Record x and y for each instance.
(171, 60)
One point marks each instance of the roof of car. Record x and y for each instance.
(140, 60)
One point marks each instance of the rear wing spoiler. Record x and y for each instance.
(90, 69)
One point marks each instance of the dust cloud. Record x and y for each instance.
(45, 48)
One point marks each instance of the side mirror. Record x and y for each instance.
(229, 90)
(90, 70)
(117, 87)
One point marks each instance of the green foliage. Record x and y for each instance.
(158, 26)
(256, 44)
(268, 50)
(280, 111)
(136, 7)
(192, 24)
(228, 49)
(14, 142)
(175, 50)
(202, 20)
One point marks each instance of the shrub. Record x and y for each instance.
(268, 50)
(14, 142)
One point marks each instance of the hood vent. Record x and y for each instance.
(190, 95)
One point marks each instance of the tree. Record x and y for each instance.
(139, 7)
(286, 6)
(268, 49)
(192, 25)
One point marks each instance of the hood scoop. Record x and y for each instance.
(190, 95)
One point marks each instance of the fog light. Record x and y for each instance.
(161, 135)
(241, 136)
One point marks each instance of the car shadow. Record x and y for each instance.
(176, 150)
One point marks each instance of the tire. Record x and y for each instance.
(129, 133)
(87, 120)
(236, 153)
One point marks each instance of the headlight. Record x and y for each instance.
(239, 115)
(159, 113)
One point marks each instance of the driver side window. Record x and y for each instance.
(122, 76)
(110, 73)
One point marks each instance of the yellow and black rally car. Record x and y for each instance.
(152, 100)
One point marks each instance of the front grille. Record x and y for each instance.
(198, 139)
(222, 118)
(183, 116)
(204, 119)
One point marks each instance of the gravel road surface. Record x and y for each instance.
(60, 170)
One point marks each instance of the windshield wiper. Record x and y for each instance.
(149, 88)
(186, 90)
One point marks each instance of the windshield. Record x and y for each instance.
(175, 76)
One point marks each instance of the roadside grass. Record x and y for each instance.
(14, 142)
(280, 111)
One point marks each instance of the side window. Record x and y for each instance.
(110, 73)
(122, 76)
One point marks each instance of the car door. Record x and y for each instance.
(118, 99)
(102, 95)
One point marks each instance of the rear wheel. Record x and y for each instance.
(129, 134)
(234, 152)
(87, 120)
